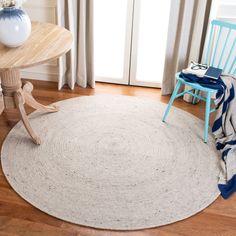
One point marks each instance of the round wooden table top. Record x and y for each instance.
(46, 42)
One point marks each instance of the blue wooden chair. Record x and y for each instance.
(220, 53)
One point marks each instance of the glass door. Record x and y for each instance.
(151, 19)
(130, 41)
(112, 40)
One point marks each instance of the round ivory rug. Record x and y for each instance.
(110, 162)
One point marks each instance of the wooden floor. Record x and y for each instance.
(18, 218)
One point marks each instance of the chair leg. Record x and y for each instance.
(173, 96)
(207, 116)
(197, 92)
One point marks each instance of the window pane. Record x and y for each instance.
(154, 19)
(110, 31)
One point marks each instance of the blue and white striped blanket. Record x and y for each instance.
(224, 131)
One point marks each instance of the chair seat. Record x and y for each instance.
(195, 85)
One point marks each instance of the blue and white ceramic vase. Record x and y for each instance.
(15, 26)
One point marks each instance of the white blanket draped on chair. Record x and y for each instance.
(224, 130)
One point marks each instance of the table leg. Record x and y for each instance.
(15, 96)
(19, 101)
(1, 104)
(29, 100)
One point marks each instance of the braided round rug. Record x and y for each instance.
(110, 162)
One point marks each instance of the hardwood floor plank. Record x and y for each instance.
(28, 228)
(204, 224)
(8, 195)
(28, 213)
(223, 207)
(18, 218)
(86, 231)
(7, 234)
(3, 181)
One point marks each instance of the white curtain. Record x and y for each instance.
(77, 67)
(186, 35)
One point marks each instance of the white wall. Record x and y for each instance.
(46, 11)
(224, 10)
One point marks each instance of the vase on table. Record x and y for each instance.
(15, 26)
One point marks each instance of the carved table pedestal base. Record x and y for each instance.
(15, 96)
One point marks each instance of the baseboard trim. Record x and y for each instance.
(40, 76)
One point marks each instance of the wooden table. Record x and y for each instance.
(47, 42)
